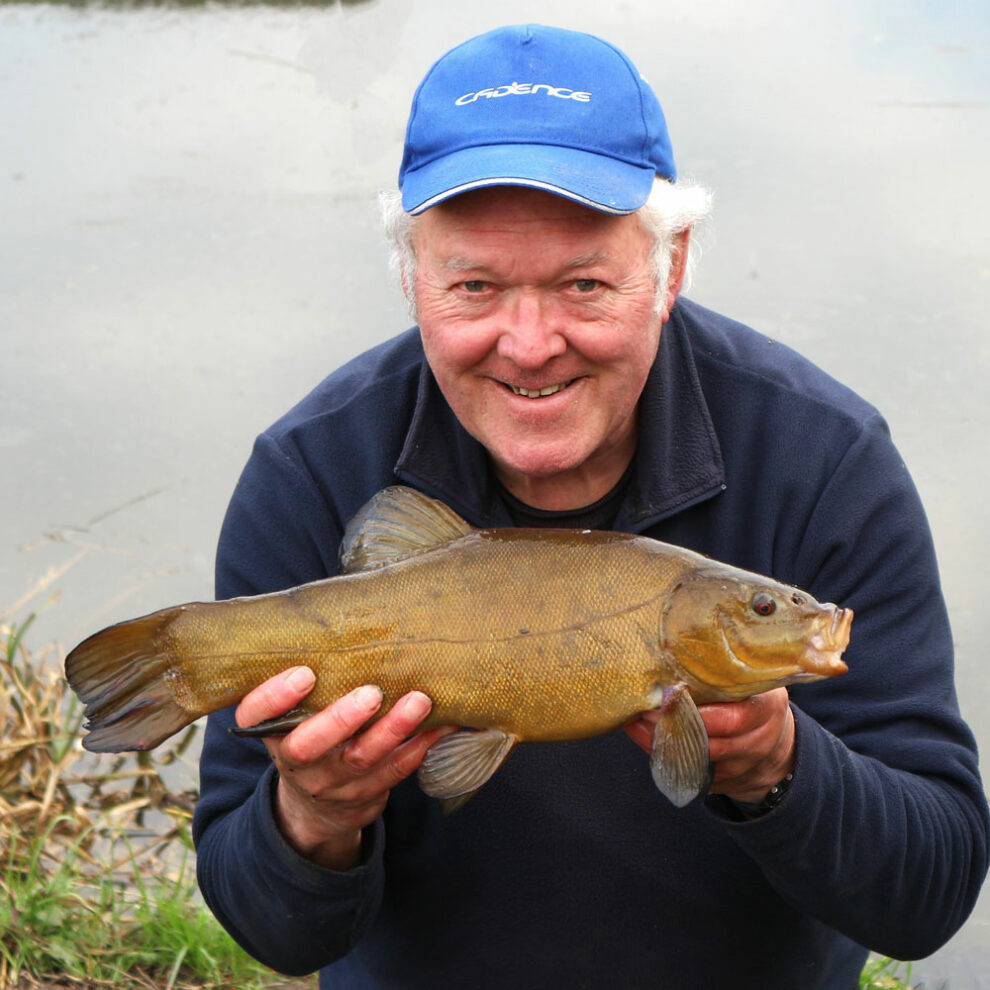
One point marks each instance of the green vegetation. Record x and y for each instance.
(881, 973)
(97, 886)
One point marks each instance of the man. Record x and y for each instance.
(556, 379)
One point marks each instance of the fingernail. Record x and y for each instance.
(300, 679)
(417, 705)
(368, 697)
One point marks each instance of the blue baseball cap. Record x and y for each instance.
(537, 106)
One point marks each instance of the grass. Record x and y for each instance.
(882, 973)
(97, 885)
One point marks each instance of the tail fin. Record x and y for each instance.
(123, 675)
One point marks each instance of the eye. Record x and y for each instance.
(586, 284)
(763, 604)
(474, 285)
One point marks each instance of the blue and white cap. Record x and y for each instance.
(535, 106)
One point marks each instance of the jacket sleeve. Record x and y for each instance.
(291, 914)
(883, 834)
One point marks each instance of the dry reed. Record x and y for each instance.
(94, 852)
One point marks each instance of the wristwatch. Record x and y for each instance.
(773, 797)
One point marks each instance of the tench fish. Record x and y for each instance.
(516, 635)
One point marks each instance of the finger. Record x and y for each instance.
(747, 766)
(337, 723)
(764, 742)
(730, 718)
(640, 730)
(721, 719)
(396, 726)
(358, 796)
(404, 760)
(275, 696)
(749, 743)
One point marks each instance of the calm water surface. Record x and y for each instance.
(189, 242)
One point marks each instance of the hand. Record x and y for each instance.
(332, 781)
(751, 742)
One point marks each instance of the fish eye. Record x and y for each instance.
(763, 604)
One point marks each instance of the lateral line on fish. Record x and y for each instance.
(145, 679)
(377, 644)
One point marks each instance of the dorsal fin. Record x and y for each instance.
(397, 522)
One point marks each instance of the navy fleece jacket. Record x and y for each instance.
(569, 868)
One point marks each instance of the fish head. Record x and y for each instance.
(735, 634)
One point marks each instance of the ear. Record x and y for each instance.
(678, 267)
(407, 280)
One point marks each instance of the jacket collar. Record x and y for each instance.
(678, 459)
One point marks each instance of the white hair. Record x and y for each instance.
(399, 229)
(669, 210)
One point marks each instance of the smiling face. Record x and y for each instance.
(538, 319)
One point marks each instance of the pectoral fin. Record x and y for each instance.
(458, 765)
(679, 757)
(279, 726)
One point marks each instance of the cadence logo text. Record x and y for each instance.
(521, 89)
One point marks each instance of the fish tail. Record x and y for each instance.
(123, 674)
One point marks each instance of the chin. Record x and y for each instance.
(539, 463)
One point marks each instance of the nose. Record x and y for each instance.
(529, 333)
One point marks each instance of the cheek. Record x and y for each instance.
(451, 344)
(624, 358)
(627, 333)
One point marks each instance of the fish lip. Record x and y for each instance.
(824, 656)
(842, 626)
(836, 635)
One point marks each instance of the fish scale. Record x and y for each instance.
(479, 670)
(522, 635)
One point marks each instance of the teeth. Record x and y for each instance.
(536, 393)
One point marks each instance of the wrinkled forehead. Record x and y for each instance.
(516, 216)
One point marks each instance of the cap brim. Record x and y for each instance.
(597, 181)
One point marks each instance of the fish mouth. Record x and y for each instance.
(824, 656)
(538, 393)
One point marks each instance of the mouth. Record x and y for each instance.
(538, 393)
(834, 638)
(828, 644)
